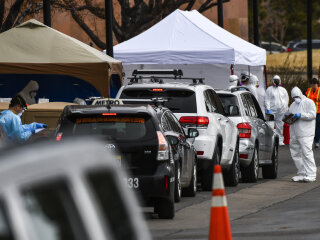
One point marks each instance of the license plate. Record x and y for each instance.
(118, 160)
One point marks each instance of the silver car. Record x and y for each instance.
(258, 141)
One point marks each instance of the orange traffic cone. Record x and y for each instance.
(219, 220)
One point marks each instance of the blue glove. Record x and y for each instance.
(269, 112)
(41, 125)
(296, 116)
(33, 131)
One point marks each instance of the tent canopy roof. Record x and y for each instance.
(34, 42)
(186, 37)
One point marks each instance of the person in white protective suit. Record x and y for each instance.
(276, 103)
(247, 81)
(260, 92)
(233, 81)
(302, 133)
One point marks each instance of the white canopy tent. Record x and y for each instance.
(193, 43)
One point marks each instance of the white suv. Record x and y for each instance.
(196, 105)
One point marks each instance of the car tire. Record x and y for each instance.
(191, 191)
(165, 208)
(271, 171)
(206, 182)
(177, 183)
(232, 176)
(251, 173)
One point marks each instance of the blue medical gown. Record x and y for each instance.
(12, 125)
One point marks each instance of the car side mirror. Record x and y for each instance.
(173, 140)
(233, 110)
(192, 133)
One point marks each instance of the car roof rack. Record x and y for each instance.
(157, 76)
(239, 88)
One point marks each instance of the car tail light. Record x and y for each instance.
(289, 50)
(59, 136)
(244, 130)
(163, 150)
(200, 152)
(245, 156)
(109, 114)
(157, 90)
(200, 121)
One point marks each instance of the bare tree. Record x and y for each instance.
(136, 16)
(14, 14)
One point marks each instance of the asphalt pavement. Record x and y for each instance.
(268, 209)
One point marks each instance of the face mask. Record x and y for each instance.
(297, 100)
(20, 114)
(276, 82)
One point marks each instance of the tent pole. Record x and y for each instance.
(265, 76)
(220, 13)
(232, 69)
(46, 12)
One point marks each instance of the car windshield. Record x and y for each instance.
(229, 100)
(118, 128)
(106, 191)
(179, 101)
(5, 230)
(53, 213)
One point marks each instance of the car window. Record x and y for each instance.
(316, 45)
(165, 124)
(173, 122)
(229, 100)
(207, 102)
(218, 102)
(257, 108)
(251, 105)
(52, 212)
(111, 204)
(245, 105)
(179, 100)
(301, 45)
(118, 128)
(5, 228)
(212, 100)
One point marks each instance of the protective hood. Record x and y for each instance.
(296, 92)
(32, 86)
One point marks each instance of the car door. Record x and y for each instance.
(262, 127)
(187, 161)
(225, 123)
(267, 130)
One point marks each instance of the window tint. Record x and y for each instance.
(245, 105)
(165, 124)
(228, 100)
(179, 101)
(112, 206)
(251, 106)
(5, 228)
(207, 102)
(52, 213)
(212, 100)
(118, 128)
(257, 107)
(219, 105)
(174, 123)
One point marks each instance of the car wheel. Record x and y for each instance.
(165, 208)
(191, 191)
(232, 176)
(271, 171)
(177, 183)
(251, 173)
(208, 173)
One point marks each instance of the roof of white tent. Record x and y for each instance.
(186, 37)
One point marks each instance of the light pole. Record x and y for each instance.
(309, 39)
(220, 13)
(46, 12)
(256, 23)
(109, 19)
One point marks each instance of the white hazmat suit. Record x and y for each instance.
(276, 103)
(233, 81)
(301, 136)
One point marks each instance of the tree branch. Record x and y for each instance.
(12, 15)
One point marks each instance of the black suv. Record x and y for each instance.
(146, 147)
